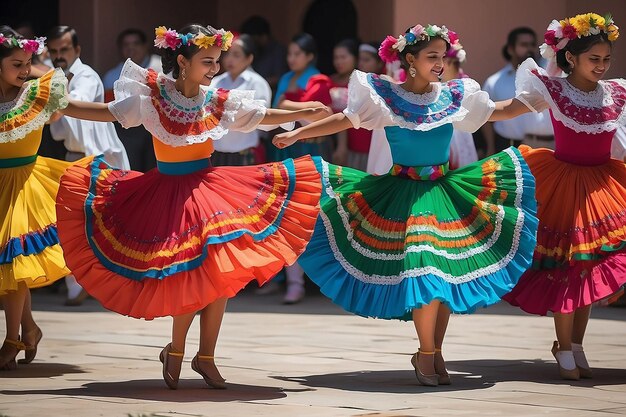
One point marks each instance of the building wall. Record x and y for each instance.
(481, 24)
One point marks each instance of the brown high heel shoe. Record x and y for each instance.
(215, 383)
(7, 361)
(569, 374)
(444, 377)
(30, 351)
(426, 380)
(171, 380)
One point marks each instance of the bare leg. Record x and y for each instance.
(579, 327)
(443, 317)
(13, 306)
(27, 322)
(210, 323)
(180, 327)
(564, 325)
(425, 321)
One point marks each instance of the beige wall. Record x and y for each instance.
(482, 24)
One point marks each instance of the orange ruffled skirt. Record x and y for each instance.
(155, 244)
(580, 256)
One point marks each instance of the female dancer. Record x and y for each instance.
(417, 243)
(581, 191)
(30, 254)
(184, 237)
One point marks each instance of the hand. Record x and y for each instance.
(283, 140)
(317, 113)
(55, 117)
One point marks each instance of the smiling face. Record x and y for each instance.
(15, 68)
(202, 66)
(428, 62)
(592, 64)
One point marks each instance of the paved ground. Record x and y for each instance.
(311, 359)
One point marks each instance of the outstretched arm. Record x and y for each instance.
(98, 112)
(279, 116)
(328, 126)
(508, 109)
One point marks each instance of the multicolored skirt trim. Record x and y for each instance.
(157, 244)
(580, 256)
(29, 244)
(385, 245)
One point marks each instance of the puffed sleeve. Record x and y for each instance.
(242, 112)
(528, 87)
(365, 108)
(478, 105)
(318, 89)
(130, 89)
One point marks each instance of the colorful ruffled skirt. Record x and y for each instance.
(580, 256)
(385, 245)
(175, 239)
(29, 244)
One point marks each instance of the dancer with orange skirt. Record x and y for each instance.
(581, 192)
(184, 237)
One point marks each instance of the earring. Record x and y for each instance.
(412, 72)
(184, 74)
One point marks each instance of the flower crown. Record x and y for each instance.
(34, 46)
(390, 47)
(169, 38)
(559, 33)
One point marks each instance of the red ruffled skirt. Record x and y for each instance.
(580, 256)
(155, 244)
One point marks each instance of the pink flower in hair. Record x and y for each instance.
(386, 51)
(569, 31)
(550, 37)
(30, 46)
(2, 39)
(454, 38)
(417, 30)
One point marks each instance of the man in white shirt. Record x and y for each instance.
(533, 129)
(81, 137)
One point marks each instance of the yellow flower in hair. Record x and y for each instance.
(613, 32)
(203, 41)
(160, 31)
(227, 40)
(598, 20)
(581, 23)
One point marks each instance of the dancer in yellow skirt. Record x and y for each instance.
(30, 254)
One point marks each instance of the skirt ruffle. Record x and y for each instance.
(385, 245)
(29, 244)
(151, 245)
(580, 255)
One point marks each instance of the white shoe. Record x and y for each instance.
(295, 294)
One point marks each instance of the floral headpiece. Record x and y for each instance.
(559, 33)
(34, 46)
(391, 46)
(169, 38)
(456, 49)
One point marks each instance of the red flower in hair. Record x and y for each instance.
(550, 37)
(569, 31)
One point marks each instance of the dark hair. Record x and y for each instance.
(511, 40)
(131, 31)
(7, 32)
(168, 56)
(255, 25)
(351, 45)
(306, 42)
(58, 32)
(247, 44)
(416, 48)
(578, 46)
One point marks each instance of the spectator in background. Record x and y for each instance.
(240, 148)
(132, 44)
(270, 60)
(533, 129)
(80, 137)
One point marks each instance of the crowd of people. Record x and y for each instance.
(229, 158)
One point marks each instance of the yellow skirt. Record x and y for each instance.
(29, 246)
